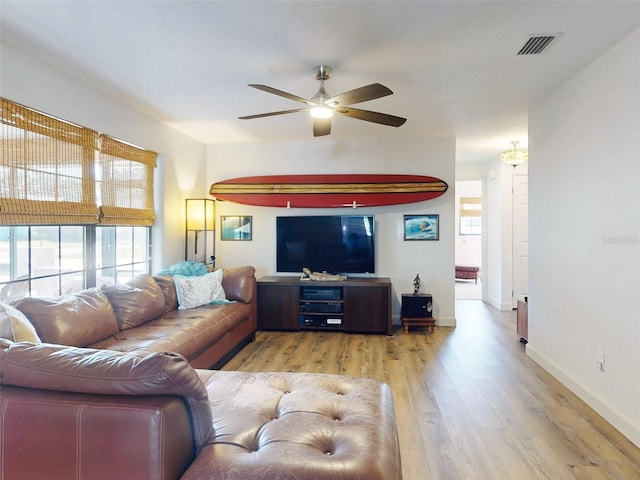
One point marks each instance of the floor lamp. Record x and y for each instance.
(200, 216)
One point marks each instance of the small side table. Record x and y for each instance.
(418, 322)
(417, 311)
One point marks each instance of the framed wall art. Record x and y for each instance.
(422, 227)
(236, 227)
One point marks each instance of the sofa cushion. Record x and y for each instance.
(15, 326)
(104, 372)
(168, 287)
(78, 320)
(199, 290)
(238, 283)
(189, 332)
(136, 302)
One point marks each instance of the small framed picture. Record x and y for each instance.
(422, 227)
(236, 227)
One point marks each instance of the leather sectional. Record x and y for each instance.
(143, 316)
(136, 403)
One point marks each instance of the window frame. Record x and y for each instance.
(470, 216)
(22, 281)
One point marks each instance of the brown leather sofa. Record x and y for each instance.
(143, 316)
(89, 414)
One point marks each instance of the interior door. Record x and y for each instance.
(520, 224)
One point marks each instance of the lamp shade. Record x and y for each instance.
(200, 220)
(200, 214)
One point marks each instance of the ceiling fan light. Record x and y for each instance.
(321, 111)
(515, 156)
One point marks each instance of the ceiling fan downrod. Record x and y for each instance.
(321, 110)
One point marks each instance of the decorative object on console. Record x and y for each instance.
(236, 227)
(321, 276)
(328, 191)
(416, 285)
(199, 242)
(322, 106)
(515, 156)
(422, 227)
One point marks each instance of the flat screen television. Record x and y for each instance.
(331, 243)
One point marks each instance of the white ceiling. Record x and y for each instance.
(451, 64)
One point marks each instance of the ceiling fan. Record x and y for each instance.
(322, 107)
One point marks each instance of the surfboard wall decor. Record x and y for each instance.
(328, 191)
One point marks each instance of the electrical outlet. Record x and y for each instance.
(601, 360)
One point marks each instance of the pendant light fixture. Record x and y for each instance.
(515, 156)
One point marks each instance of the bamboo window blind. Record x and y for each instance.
(126, 183)
(470, 216)
(470, 206)
(53, 172)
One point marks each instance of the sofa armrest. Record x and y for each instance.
(240, 284)
(61, 435)
(105, 372)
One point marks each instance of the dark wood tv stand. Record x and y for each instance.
(357, 305)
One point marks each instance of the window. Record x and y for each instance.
(121, 253)
(470, 216)
(76, 206)
(50, 260)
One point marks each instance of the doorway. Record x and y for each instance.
(468, 248)
(520, 225)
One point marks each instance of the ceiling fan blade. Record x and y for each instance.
(275, 91)
(368, 116)
(362, 94)
(271, 114)
(321, 127)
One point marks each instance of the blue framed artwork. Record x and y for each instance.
(236, 227)
(422, 227)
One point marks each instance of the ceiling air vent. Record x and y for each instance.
(536, 45)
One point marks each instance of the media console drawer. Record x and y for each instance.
(358, 305)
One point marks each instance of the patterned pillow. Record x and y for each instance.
(196, 291)
(15, 326)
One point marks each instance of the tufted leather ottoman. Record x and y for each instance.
(298, 426)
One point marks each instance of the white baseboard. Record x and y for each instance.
(446, 322)
(500, 306)
(620, 422)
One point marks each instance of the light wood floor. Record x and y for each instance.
(469, 403)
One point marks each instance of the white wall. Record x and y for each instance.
(497, 278)
(466, 171)
(584, 234)
(396, 258)
(181, 163)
